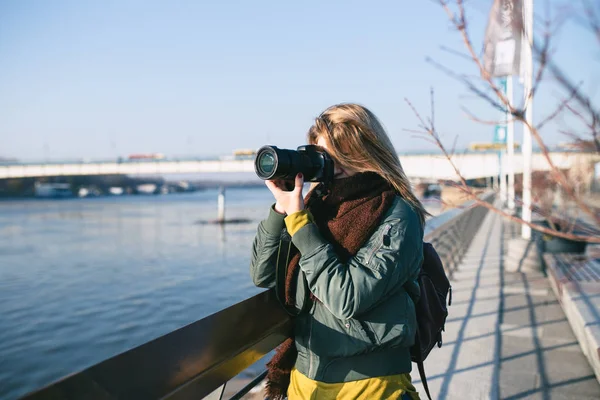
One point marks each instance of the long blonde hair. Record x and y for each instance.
(357, 140)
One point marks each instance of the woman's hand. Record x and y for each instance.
(287, 202)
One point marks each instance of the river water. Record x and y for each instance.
(82, 280)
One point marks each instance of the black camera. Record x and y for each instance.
(312, 161)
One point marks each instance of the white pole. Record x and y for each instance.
(221, 205)
(502, 173)
(510, 143)
(527, 44)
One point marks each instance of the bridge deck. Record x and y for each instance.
(423, 166)
(506, 336)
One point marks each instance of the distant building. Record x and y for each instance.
(244, 154)
(150, 156)
(580, 145)
(490, 146)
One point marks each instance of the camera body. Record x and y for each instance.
(310, 160)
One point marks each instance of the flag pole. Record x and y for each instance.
(527, 86)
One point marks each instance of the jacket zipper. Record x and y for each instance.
(368, 332)
(372, 253)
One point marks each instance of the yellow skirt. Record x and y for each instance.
(383, 387)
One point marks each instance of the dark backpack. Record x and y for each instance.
(430, 308)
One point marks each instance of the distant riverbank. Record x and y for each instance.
(110, 185)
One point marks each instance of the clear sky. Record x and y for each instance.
(101, 79)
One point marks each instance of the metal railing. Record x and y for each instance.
(452, 239)
(199, 359)
(189, 363)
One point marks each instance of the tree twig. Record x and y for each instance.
(593, 126)
(564, 104)
(474, 118)
(467, 83)
(592, 19)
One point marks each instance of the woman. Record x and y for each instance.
(355, 249)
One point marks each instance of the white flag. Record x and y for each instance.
(502, 41)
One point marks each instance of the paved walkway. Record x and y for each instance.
(506, 336)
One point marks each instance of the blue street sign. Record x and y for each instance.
(500, 134)
(502, 85)
(501, 130)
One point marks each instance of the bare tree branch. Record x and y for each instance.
(543, 57)
(592, 18)
(467, 83)
(593, 238)
(460, 24)
(559, 175)
(557, 219)
(431, 94)
(564, 104)
(583, 100)
(571, 135)
(593, 126)
(453, 148)
(428, 140)
(482, 121)
(415, 131)
(468, 191)
(456, 53)
(438, 142)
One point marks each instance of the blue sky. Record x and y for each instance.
(101, 79)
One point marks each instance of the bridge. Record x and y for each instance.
(426, 167)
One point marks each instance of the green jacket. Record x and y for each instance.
(366, 320)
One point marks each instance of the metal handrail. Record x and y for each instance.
(199, 359)
(452, 239)
(189, 363)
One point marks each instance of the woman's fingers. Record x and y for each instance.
(288, 194)
(283, 185)
(280, 183)
(273, 187)
(299, 184)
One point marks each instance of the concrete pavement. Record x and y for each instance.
(507, 336)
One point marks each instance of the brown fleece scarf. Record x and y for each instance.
(346, 215)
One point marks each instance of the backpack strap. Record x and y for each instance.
(423, 378)
(421, 367)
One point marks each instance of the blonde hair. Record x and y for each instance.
(357, 140)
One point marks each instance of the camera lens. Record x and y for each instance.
(266, 163)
